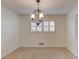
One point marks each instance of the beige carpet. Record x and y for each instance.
(40, 53)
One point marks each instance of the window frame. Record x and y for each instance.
(48, 28)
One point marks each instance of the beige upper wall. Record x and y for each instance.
(56, 39)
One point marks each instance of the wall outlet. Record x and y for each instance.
(41, 43)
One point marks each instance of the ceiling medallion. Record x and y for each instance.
(37, 15)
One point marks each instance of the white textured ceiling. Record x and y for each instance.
(47, 6)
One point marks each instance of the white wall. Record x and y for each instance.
(9, 31)
(56, 39)
(71, 31)
(16, 32)
(14, 29)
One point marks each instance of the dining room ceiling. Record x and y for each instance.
(47, 6)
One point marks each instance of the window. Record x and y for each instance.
(39, 28)
(46, 26)
(52, 26)
(33, 27)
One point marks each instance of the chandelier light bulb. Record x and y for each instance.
(32, 16)
(41, 15)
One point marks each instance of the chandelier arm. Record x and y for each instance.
(38, 5)
(38, 1)
(38, 10)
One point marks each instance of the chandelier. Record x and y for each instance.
(37, 15)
